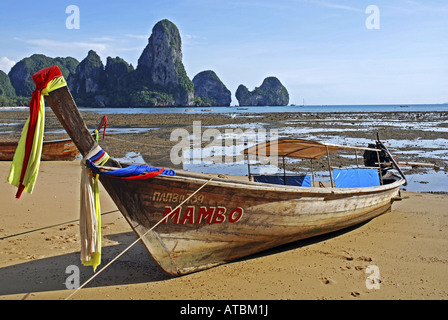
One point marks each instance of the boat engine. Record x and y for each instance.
(371, 160)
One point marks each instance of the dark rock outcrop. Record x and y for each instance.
(21, 73)
(270, 93)
(6, 88)
(210, 90)
(88, 78)
(115, 72)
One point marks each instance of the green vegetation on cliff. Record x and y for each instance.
(160, 79)
(270, 93)
(209, 90)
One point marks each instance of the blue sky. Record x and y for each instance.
(321, 50)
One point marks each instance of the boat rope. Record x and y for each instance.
(48, 227)
(139, 238)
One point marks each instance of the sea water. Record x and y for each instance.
(425, 181)
(274, 109)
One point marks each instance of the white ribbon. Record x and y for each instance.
(90, 215)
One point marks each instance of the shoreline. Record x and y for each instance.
(414, 137)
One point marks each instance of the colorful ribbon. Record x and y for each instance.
(90, 213)
(26, 161)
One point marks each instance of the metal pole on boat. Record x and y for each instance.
(379, 167)
(356, 158)
(329, 167)
(248, 166)
(284, 171)
(312, 173)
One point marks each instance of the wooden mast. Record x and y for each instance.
(65, 109)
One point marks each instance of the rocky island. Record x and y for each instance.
(270, 93)
(159, 80)
(210, 89)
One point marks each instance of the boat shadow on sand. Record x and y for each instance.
(52, 273)
(133, 267)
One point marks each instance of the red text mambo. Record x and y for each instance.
(210, 215)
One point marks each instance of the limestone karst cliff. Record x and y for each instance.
(210, 89)
(160, 79)
(270, 93)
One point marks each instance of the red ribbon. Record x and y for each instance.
(41, 79)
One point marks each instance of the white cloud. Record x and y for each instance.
(76, 49)
(6, 64)
(137, 36)
(61, 46)
(103, 39)
(103, 46)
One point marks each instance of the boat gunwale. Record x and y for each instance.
(45, 141)
(228, 181)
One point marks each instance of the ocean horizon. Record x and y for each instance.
(273, 109)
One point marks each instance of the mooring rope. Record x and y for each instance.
(139, 238)
(48, 227)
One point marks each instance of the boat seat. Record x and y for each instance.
(356, 177)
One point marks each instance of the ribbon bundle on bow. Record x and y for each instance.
(26, 161)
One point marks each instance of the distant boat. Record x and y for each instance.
(206, 110)
(189, 110)
(56, 150)
(242, 108)
(404, 106)
(52, 150)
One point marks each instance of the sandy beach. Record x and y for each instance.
(39, 240)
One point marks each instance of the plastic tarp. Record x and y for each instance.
(356, 177)
(299, 180)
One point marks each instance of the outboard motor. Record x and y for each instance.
(371, 160)
(371, 157)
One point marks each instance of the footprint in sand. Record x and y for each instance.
(326, 280)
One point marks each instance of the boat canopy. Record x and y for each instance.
(298, 148)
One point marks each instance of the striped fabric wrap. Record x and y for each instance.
(90, 212)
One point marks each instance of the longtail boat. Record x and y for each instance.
(54, 150)
(226, 218)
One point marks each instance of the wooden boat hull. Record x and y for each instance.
(228, 220)
(57, 150)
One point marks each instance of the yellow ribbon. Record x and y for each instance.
(90, 212)
(32, 169)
